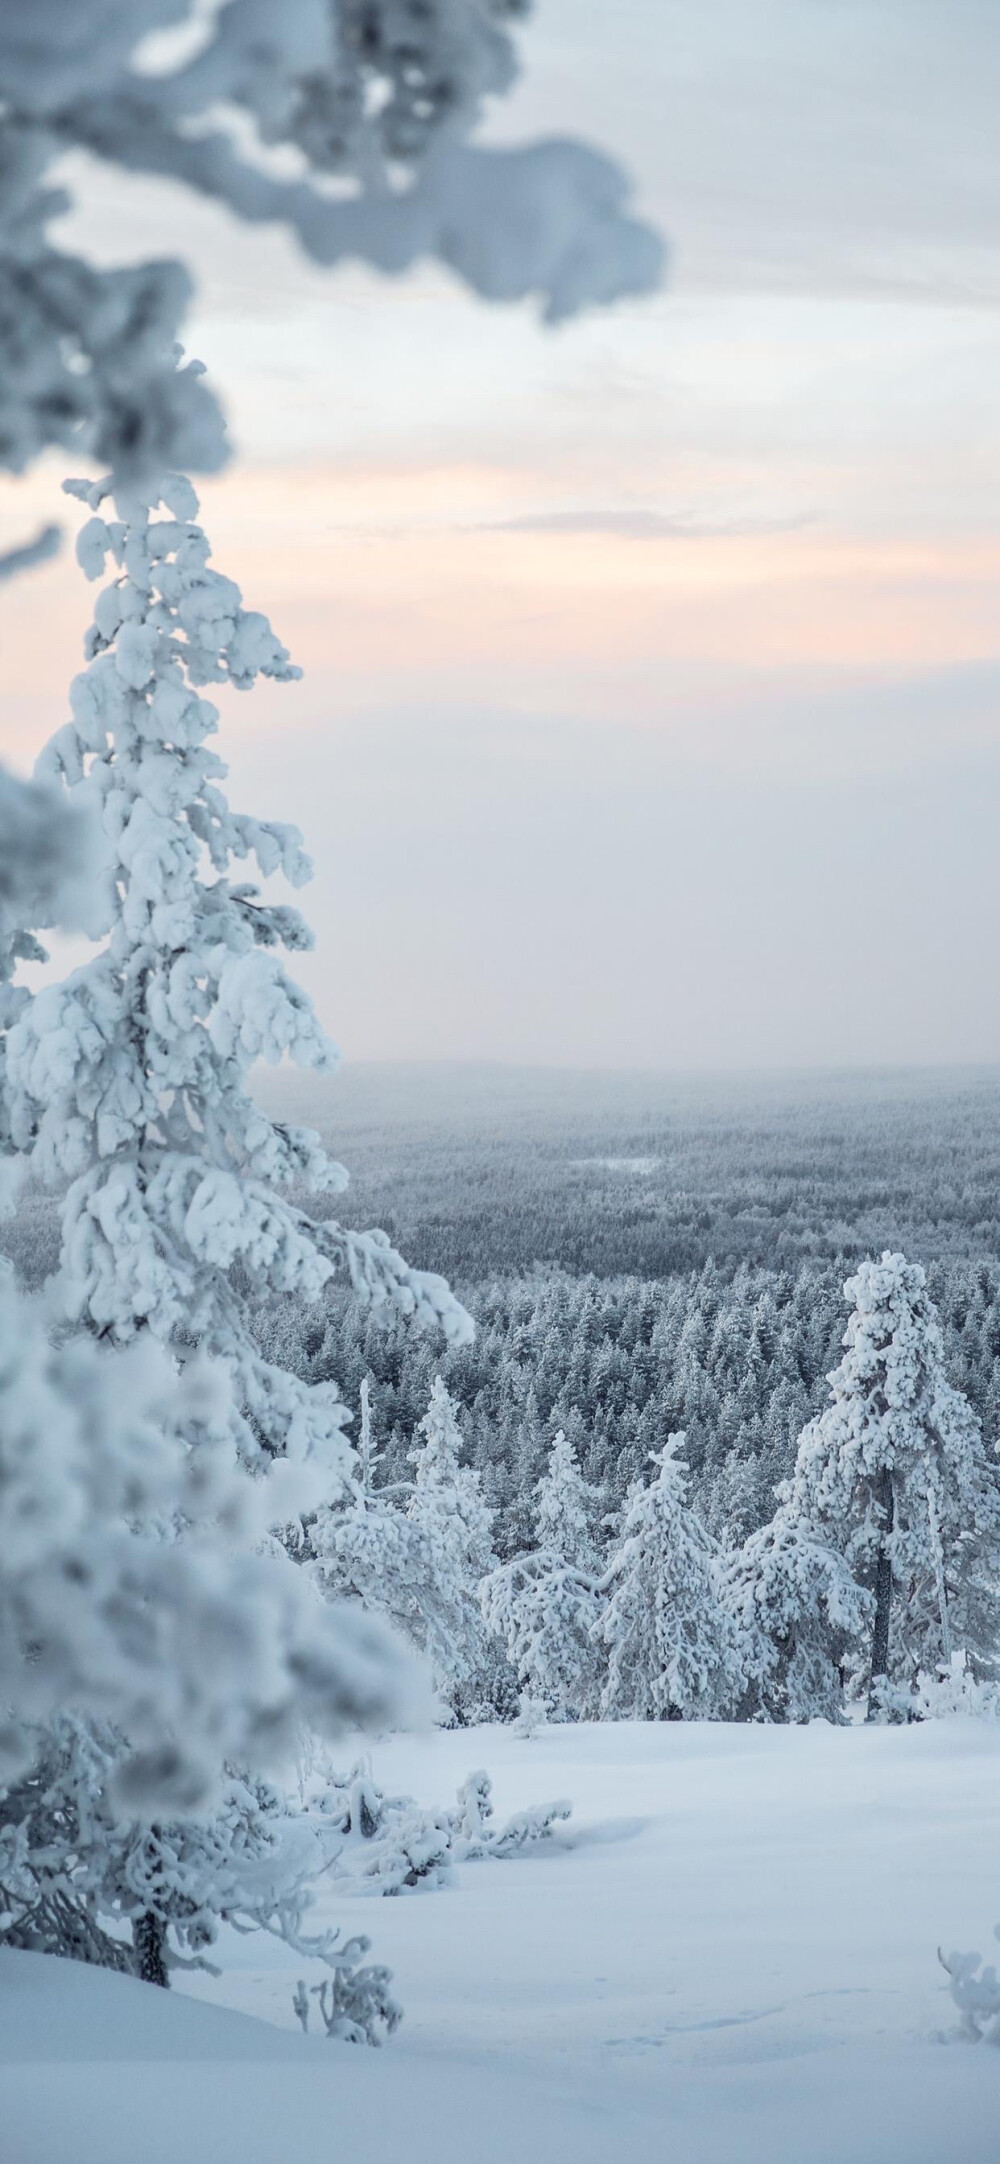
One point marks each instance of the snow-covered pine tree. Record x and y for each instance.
(361, 1547)
(567, 1507)
(101, 1454)
(140, 1579)
(544, 1605)
(894, 1476)
(130, 1078)
(453, 1523)
(800, 1613)
(674, 1650)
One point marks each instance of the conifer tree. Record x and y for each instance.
(893, 1476)
(145, 1462)
(566, 1503)
(364, 1549)
(544, 1605)
(674, 1651)
(453, 1523)
(129, 1527)
(129, 1079)
(800, 1613)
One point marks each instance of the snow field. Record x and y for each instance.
(727, 1956)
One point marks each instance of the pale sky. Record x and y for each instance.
(651, 712)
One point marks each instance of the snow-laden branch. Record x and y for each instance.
(345, 121)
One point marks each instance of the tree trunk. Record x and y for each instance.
(149, 1937)
(939, 1584)
(883, 1592)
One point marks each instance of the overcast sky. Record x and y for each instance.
(652, 700)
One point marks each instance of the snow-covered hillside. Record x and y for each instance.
(728, 1955)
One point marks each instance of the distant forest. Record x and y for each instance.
(642, 1254)
(489, 1172)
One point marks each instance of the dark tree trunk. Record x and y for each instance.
(883, 1591)
(149, 1937)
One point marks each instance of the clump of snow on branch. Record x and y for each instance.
(380, 97)
(975, 1988)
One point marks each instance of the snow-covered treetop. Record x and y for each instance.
(447, 1499)
(661, 1505)
(379, 95)
(889, 1301)
(566, 1502)
(892, 1404)
(543, 1604)
(435, 1457)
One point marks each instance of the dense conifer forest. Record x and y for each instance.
(644, 1254)
(484, 1172)
(641, 1254)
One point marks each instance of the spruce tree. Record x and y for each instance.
(893, 1476)
(129, 1079)
(674, 1651)
(800, 1612)
(453, 1524)
(543, 1603)
(131, 1526)
(149, 1456)
(361, 1547)
(566, 1503)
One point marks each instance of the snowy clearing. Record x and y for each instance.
(728, 1954)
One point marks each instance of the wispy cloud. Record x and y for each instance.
(637, 524)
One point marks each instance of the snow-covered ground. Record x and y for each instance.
(728, 1956)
